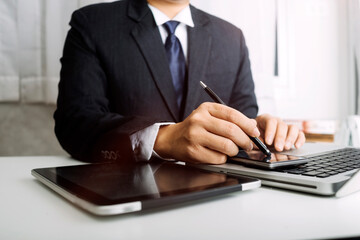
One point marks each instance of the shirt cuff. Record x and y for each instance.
(143, 141)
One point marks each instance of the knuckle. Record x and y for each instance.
(297, 130)
(254, 122)
(230, 130)
(294, 129)
(191, 134)
(226, 146)
(283, 125)
(264, 117)
(230, 113)
(204, 105)
(192, 121)
(195, 120)
(272, 121)
(269, 115)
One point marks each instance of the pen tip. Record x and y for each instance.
(202, 84)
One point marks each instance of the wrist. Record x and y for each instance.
(162, 145)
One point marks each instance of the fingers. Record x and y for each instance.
(279, 134)
(230, 124)
(185, 142)
(300, 140)
(217, 130)
(231, 115)
(268, 126)
(201, 154)
(219, 144)
(292, 135)
(229, 131)
(214, 131)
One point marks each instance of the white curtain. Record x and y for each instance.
(32, 34)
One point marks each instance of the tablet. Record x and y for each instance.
(110, 188)
(258, 159)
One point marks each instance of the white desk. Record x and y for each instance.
(29, 210)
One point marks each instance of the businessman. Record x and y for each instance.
(129, 86)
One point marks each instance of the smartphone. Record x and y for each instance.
(260, 160)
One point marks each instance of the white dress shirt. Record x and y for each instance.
(185, 19)
(143, 141)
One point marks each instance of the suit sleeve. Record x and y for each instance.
(243, 96)
(84, 124)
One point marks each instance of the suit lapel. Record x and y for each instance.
(199, 53)
(147, 36)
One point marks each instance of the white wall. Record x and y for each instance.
(314, 81)
(256, 18)
(318, 58)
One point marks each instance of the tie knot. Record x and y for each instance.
(171, 26)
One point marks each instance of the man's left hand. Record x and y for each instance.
(275, 132)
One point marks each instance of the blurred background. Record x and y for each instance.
(305, 57)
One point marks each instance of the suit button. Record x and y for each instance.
(113, 155)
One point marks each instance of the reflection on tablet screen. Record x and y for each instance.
(142, 180)
(261, 157)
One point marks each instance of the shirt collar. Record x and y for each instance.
(183, 17)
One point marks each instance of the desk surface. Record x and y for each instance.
(29, 210)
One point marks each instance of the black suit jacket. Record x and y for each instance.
(115, 77)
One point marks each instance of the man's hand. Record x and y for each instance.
(277, 133)
(210, 134)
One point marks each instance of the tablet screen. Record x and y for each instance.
(110, 183)
(261, 157)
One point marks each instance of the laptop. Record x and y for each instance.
(331, 171)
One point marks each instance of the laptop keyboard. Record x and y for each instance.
(328, 164)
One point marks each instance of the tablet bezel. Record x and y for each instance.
(99, 205)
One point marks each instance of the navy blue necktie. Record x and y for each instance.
(176, 60)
